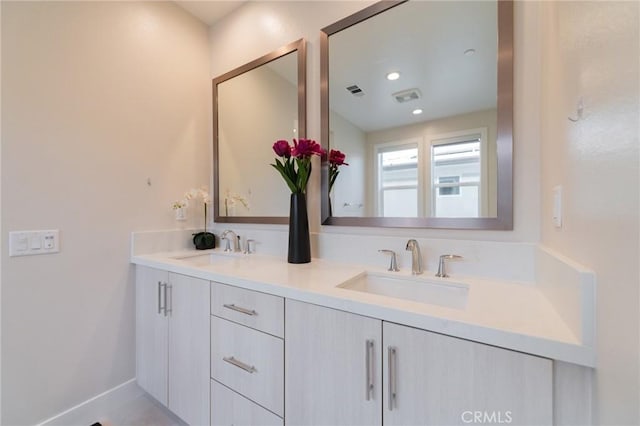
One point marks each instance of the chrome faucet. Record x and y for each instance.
(442, 265)
(224, 236)
(416, 257)
(393, 266)
(247, 246)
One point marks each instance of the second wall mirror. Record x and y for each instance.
(418, 95)
(253, 106)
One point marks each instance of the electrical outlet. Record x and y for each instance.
(28, 243)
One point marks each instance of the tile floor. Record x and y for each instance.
(141, 411)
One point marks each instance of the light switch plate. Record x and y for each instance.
(28, 243)
(557, 206)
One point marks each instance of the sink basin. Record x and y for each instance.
(204, 259)
(415, 289)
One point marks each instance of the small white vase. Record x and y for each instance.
(181, 213)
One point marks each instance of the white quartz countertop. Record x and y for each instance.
(511, 315)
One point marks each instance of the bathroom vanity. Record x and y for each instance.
(227, 338)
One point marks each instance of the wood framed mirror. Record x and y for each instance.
(431, 146)
(253, 106)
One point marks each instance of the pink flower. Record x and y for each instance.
(336, 157)
(305, 148)
(282, 149)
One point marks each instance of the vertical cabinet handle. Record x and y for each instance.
(168, 301)
(391, 358)
(370, 369)
(159, 297)
(162, 307)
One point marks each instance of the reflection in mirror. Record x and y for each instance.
(255, 105)
(419, 100)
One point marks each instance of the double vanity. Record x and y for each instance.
(233, 338)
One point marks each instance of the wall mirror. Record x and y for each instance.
(418, 95)
(253, 106)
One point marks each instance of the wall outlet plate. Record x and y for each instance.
(29, 243)
(557, 206)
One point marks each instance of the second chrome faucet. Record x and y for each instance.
(416, 257)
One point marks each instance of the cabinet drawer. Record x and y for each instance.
(257, 310)
(231, 408)
(249, 362)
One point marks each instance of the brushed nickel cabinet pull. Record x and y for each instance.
(159, 297)
(369, 367)
(245, 311)
(248, 368)
(162, 292)
(392, 378)
(168, 301)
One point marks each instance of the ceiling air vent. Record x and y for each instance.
(407, 95)
(355, 90)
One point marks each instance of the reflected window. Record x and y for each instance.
(441, 176)
(456, 182)
(448, 185)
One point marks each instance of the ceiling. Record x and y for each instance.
(210, 12)
(426, 42)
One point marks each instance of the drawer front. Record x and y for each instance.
(257, 310)
(249, 362)
(231, 408)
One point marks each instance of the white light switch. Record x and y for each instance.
(35, 243)
(557, 206)
(22, 242)
(26, 243)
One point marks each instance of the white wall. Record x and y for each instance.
(97, 97)
(256, 109)
(591, 51)
(260, 27)
(1, 246)
(349, 195)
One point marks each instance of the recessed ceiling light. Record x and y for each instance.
(469, 52)
(393, 75)
(416, 111)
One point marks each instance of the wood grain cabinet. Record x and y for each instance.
(247, 357)
(172, 341)
(221, 355)
(433, 379)
(333, 367)
(343, 368)
(231, 408)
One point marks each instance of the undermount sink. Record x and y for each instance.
(416, 289)
(204, 259)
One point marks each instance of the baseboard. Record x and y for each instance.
(91, 410)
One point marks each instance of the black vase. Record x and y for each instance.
(299, 244)
(204, 240)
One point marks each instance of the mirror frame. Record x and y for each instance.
(504, 143)
(299, 46)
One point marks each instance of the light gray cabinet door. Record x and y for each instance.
(151, 332)
(231, 408)
(432, 379)
(249, 362)
(332, 373)
(189, 379)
